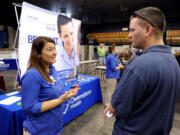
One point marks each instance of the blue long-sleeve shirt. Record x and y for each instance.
(146, 94)
(35, 90)
(111, 65)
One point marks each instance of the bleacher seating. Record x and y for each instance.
(110, 37)
(172, 37)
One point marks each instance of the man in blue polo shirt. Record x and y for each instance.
(145, 97)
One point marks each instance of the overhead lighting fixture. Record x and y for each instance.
(68, 15)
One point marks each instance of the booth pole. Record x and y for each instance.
(14, 54)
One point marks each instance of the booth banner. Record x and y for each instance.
(35, 22)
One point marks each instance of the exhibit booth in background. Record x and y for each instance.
(35, 22)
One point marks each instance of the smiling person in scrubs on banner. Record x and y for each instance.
(67, 57)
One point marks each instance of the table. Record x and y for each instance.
(102, 70)
(88, 61)
(91, 65)
(9, 64)
(12, 116)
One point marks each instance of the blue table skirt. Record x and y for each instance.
(12, 116)
(11, 64)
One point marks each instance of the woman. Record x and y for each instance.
(112, 73)
(125, 56)
(42, 93)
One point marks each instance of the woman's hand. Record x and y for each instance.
(121, 66)
(47, 105)
(68, 94)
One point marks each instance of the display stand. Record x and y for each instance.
(14, 54)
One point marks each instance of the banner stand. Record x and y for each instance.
(14, 54)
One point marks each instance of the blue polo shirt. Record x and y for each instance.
(111, 65)
(146, 94)
(35, 90)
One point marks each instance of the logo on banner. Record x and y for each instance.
(75, 101)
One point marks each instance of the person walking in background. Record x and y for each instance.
(42, 93)
(135, 52)
(112, 73)
(101, 54)
(145, 97)
(125, 57)
(95, 53)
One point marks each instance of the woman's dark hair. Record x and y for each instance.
(35, 61)
(111, 49)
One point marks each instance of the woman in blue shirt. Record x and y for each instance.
(42, 92)
(112, 73)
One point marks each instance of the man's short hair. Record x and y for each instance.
(153, 16)
(62, 20)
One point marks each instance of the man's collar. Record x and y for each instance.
(158, 48)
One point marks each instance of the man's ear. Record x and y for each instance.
(149, 30)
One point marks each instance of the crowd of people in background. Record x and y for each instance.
(100, 53)
(115, 61)
(123, 55)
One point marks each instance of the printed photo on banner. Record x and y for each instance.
(69, 47)
(64, 31)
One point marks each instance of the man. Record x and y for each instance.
(144, 99)
(101, 53)
(67, 57)
(135, 52)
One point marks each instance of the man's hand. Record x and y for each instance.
(110, 109)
